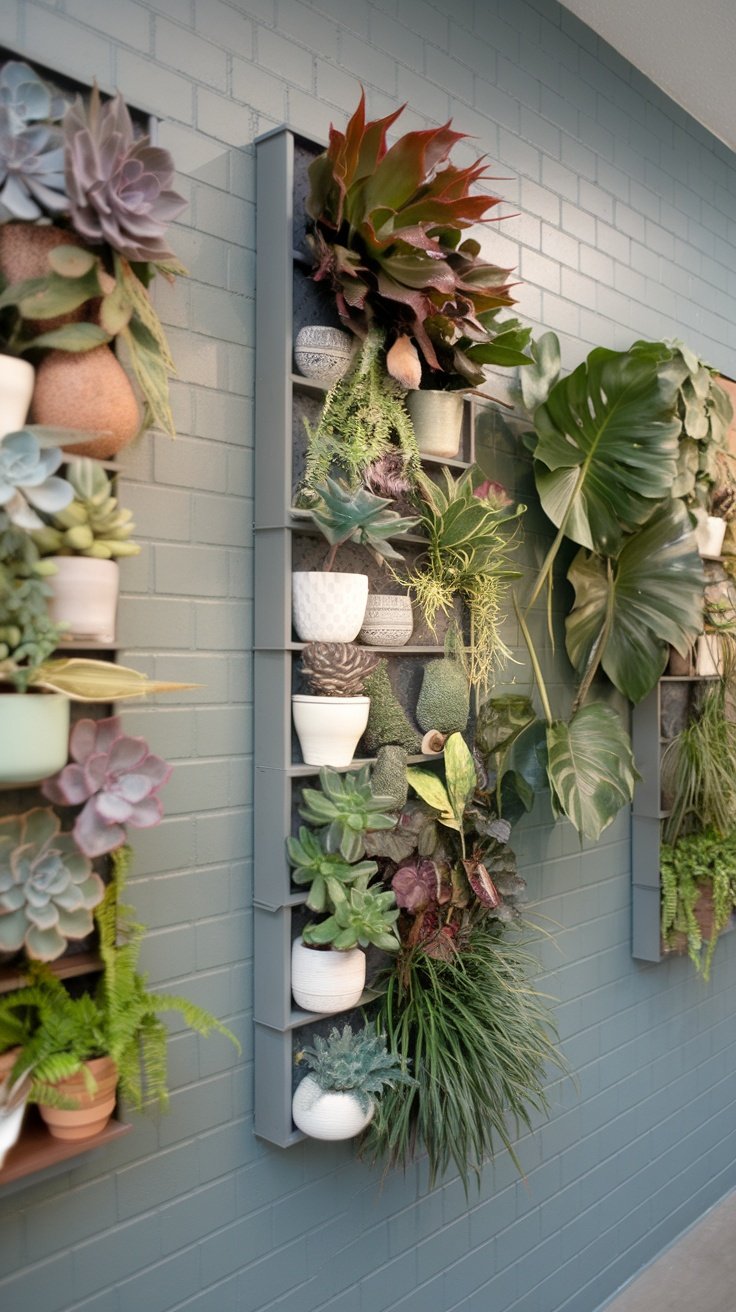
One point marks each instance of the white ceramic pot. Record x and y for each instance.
(16, 390)
(327, 1113)
(10, 1126)
(328, 607)
(323, 353)
(34, 736)
(84, 597)
(329, 728)
(324, 980)
(709, 535)
(709, 657)
(438, 421)
(388, 621)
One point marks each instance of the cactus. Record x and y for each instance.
(389, 775)
(93, 524)
(337, 669)
(444, 699)
(387, 721)
(354, 1063)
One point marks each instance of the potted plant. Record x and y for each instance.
(76, 289)
(328, 963)
(84, 541)
(330, 718)
(336, 1100)
(698, 876)
(82, 1048)
(323, 353)
(703, 479)
(330, 606)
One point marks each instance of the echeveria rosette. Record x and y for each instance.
(31, 151)
(48, 889)
(114, 778)
(27, 480)
(119, 186)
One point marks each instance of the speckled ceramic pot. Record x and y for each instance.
(323, 353)
(388, 621)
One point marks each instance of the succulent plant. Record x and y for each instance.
(387, 229)
(119, 186)
(92, 524)
(325, 872)
(337, 669)
(345, 808)
(354, 1063)
(31, 151)
(361, 915)
(388, 723)
(47, 886)
(27, 635)
(419, 883)
(27, 479)
(114, 779)
(359, 516)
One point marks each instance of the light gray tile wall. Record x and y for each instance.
(623, 227)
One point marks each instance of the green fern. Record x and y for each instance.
(696, 862)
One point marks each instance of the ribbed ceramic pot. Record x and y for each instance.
(34, 736)
(328, 607)
(327, 1113)
(324, 980)
(93, 1110)
(84, 597)
(323, 353)
(329, 728)
(388, 621)
(16, 390)
(438, 421)
(709, 535)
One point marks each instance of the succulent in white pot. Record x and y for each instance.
(329, 606)
(331, 718)
(336, 1100)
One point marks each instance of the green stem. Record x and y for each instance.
(536, 668)
(549, 560)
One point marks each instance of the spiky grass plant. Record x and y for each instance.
(699, 765)
(479, 1037)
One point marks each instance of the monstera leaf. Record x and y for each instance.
(627, 611)
(607, 446)
(590, 768)
(537, 380)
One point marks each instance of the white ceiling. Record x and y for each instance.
(687, 47)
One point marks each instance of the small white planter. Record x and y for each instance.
(329, 728)
(709, 535)
(34, 736)
(326, 1113)
(10, 1126)
(709, 657)
(84, 597)
(328, 607)
(324, 980)
(438, 421)
(16, 389)
(388, 621)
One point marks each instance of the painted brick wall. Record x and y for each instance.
(624, 229)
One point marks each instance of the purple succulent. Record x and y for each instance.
(47, 887)
(119, 185)
(114, 779)
(417, 884)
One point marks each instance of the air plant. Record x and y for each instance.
(115, 780)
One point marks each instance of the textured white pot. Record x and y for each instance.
(84, 597)
(438, 421)
(709, 535)
(324, 980)
(323, 353)
(16, 389)
(326, 1113)
(388, 621)
(34, 736)
(328, 607)
(329, 728)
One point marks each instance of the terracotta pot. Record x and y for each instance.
(328, 1113)
(89, 391)
(84, 597)
(324, 980)
(93, 1111)
(24, 251)
(329, 728)
(34, 736)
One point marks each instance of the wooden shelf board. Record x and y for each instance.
(37, 1149)
(81, 963)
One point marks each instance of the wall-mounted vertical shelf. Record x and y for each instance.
(286, 300)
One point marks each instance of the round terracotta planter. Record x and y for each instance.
(93, 1111)
(324, 980)
(438, 421)
(328, 1113)
(34, 736)
(84, 597)
(89, 391)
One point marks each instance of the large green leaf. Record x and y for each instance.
(607, 446)
(630, 610)
(590, 767)
(460, 775)
(537, 381)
